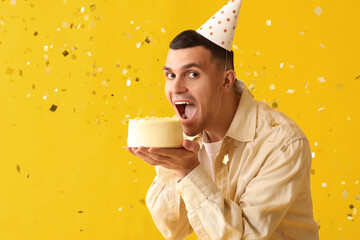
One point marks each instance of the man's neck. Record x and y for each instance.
(220, 125)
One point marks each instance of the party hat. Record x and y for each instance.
(220, 28)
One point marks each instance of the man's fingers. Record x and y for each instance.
(191, 145)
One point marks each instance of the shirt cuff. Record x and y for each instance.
(196, 187)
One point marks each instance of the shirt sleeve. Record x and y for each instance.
(166, 206)
(263, 204)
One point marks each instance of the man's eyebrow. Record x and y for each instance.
(190, 65)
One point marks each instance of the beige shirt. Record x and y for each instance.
(262, 188)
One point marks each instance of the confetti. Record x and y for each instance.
(318, 10)
(100, 69)
(124, 71)
(313, 155)
(147, 39)
(27, 176)
(13, 2)
(226, 159)
(324, 185)
(9, 71)
(93, 7)
(320, 109)
(53, 108)
(138, 44)
(137, 79)
(268, 22)
(345, 194)
(357, 197)
(316, 143)
(350, 217)
(275, 104)
(281, 65)
(312, 171)
(274, 124)
(321, 45)
(291, 66)
(142, 201)
(351, 206)
(80, 211)
(272, 86)
(290, 91)
(36, 33)
(321, 79)
(357, 77)
(128, 82)
(65, 53)
(18, 168)
(65, 25)
(82, 9)
(120, 208)
(163, 30)
(340, 87)
(343, 182)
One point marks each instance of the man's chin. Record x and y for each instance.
(190, 132)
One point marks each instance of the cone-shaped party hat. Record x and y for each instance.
(220, 28)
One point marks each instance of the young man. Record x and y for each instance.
(246, 172)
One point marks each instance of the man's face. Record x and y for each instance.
(193, 87)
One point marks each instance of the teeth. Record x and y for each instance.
(181, 103)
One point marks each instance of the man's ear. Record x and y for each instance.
(229, 80)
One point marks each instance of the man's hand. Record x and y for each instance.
(181, 160)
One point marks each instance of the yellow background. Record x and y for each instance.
(65, 175)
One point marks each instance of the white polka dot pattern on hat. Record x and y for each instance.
(220, 28)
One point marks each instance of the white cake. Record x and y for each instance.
(155, 132)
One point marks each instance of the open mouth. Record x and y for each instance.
(186, 110)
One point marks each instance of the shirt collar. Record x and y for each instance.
(243, 125)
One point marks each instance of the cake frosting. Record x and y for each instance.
(155, 132)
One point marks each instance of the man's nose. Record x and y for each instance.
(178, 85)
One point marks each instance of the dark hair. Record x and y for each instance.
(190, 38)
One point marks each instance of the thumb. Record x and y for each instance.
(191, 145)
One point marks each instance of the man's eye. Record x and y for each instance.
(193, 75)
(170, 75)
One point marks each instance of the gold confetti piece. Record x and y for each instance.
(163, 30)
(33, 86)
(36, 33)
(274, 124)
(313, 155)
(47, 70)
(142, 201)
(128, 82)
(320, 109)
(268, 22)
(251, 87)
(120, 208)
(73, 56)
(53, 108)
(312, 171)
(9, 71)
(281, 65)
(321, 79)
(80, 211)
(345, 194)
(13, 2)
(137, 79)
(324, 185)
(20, 72)
(65, 53)
(86, 17)
(27, 176)
(147, 39)
(351, 206)
(93, 7)
(138, 44)
(18, 168)
(357, 197)
(82, 9)
(321, 45)
(357, 77)
(318, 10)
(272, 86)
(350, 217)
